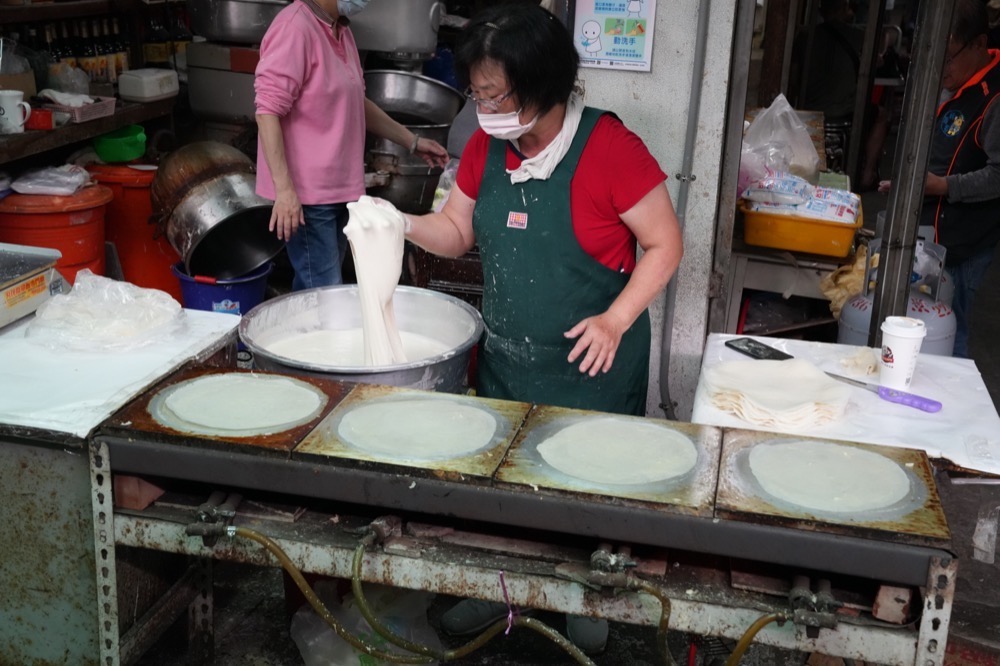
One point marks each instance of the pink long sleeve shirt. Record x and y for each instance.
(310, 76)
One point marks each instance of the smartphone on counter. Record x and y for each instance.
(755, 349)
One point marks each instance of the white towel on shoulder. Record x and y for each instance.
(544, 163)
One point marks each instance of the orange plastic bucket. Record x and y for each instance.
(146, 255)
(74, 225)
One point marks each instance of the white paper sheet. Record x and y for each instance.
(72, 392)
(966, 431)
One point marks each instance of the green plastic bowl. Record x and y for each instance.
(123, 145)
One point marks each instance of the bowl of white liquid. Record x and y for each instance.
(318, 332)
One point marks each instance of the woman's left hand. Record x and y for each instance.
(599, 337)
(432, 152)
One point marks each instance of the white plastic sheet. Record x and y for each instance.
(966, 431)
(71, 391)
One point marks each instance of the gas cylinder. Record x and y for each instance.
(937, 316)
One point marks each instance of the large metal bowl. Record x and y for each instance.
(220, 228)
(233, 21)
(445, 318)
(413, 99)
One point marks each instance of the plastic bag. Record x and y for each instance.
(779, 187)
(402, 611)
(60, 181)
(68, 79)
(100, 314)
(780, 138)
(11, 62)
(445, 183)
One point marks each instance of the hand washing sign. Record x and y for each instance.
(615, 34)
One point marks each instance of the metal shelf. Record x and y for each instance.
(17, 146)
(49, 11)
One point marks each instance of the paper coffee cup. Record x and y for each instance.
(901, 340)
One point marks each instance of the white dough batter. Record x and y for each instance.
(421, 428)
(242, 401)
(346, 348)
(828, 477)
(619, 451)
(375, 231)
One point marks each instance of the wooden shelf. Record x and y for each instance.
(32, 142)
(49, 11)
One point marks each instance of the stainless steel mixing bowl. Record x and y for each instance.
(439, 316)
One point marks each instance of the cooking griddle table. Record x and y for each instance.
(219, 463)
(918, 518)
(140, 416)
(325, 441)
(692, 493)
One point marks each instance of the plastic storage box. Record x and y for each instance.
(147, 85)
(799, 234)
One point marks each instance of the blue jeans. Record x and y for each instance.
(316, 250)
(968, 275)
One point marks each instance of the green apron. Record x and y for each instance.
(537, 284)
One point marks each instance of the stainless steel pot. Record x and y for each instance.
(233, 21)
(412, 183)
(439, 316)
(426, 107)
(219, 228)
(413, 98)
(406, 28)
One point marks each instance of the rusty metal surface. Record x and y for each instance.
(702, 603)
(49, 613)
(139, 418)
(916, 519)
(324, 442)
(691, 493)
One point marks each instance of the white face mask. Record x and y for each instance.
(506, 126)
(350, 7)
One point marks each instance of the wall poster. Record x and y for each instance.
(615, 34)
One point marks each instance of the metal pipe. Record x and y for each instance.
(725, 214)
(856, 144)
(902, 219)
(685, 177)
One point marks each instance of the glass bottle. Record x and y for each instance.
(86, 57)
(121, 44)
(67, 47)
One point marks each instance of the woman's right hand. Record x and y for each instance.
(286, 215)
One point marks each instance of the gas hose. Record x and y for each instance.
(425, 654)
(750, 633)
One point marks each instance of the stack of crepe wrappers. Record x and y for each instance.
(791, 394)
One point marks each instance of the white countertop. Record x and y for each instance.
(966, 431)
(73, 391)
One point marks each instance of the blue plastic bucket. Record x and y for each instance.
(233, 295)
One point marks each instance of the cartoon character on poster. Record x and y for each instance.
(634, 7)
(591, 36)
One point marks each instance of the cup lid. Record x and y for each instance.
(907, 327)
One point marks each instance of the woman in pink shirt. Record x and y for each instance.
(312, 115)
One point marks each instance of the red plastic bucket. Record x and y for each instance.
(146, 255)
(73, 224)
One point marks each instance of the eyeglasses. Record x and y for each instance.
(951, 58)
(488, 103)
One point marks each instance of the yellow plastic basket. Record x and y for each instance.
(799, 234)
